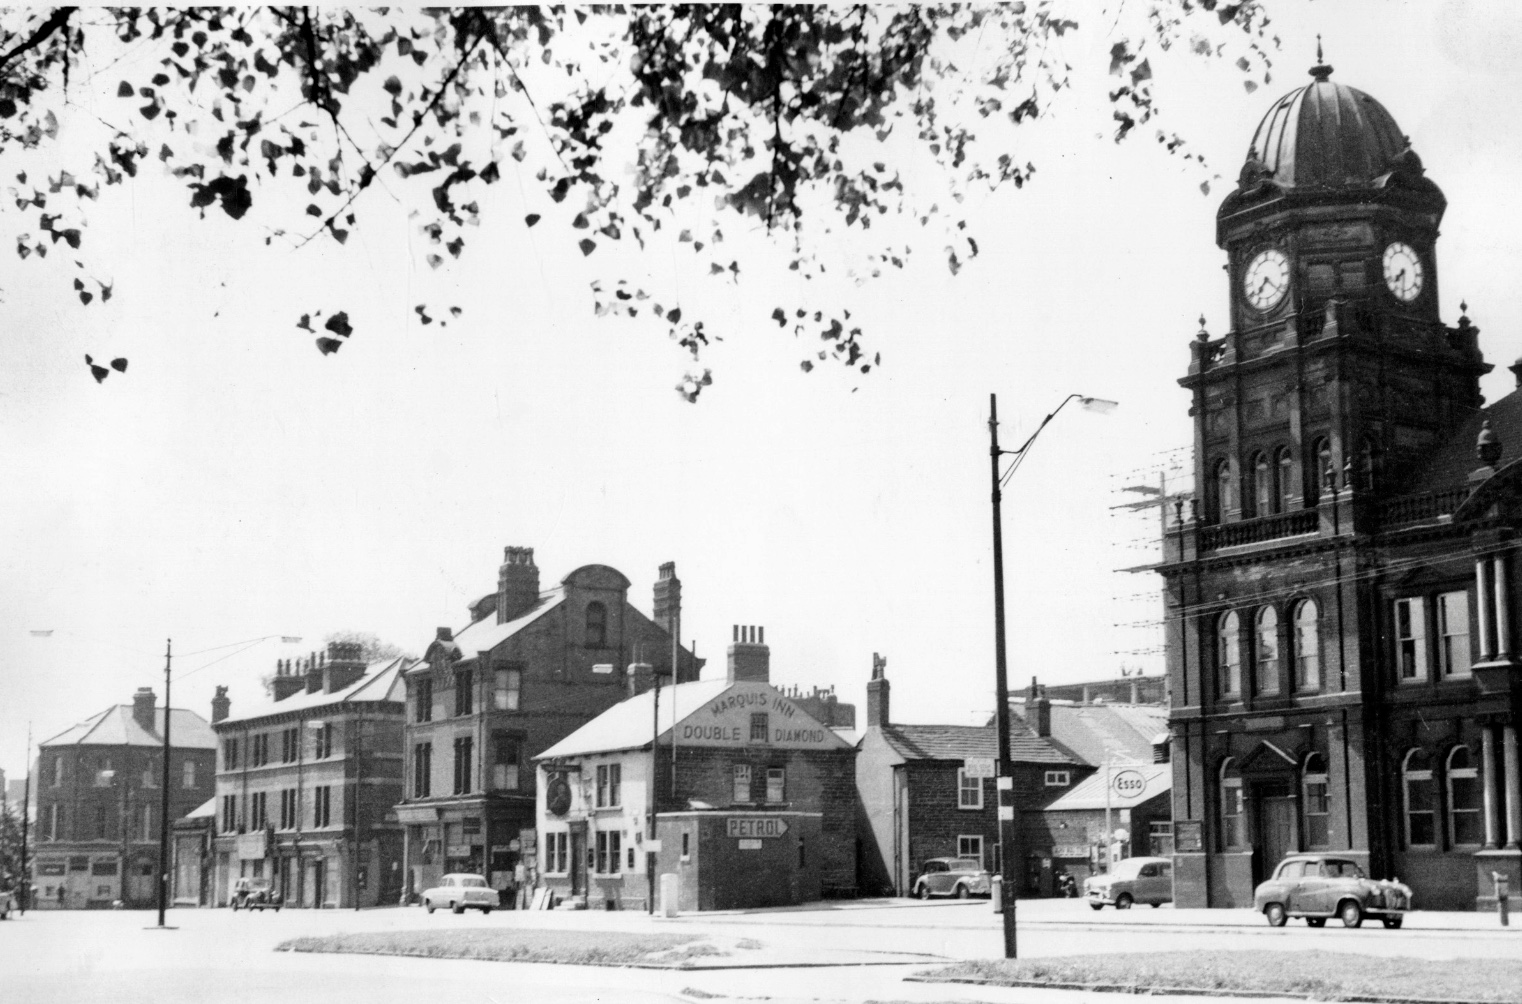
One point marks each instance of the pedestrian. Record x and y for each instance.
(60, 897)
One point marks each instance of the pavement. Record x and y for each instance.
(832, 952)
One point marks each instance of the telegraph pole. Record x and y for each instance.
(164, 793)
(26, 810)
(1005, 781)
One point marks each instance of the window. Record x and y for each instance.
(422, 770)
(507, 685)
(504, 766)
(422, 699)
(776, 784)
(742, 782)
(188, 774)
(229, 813)
(54, 823)
(1464, 826)
(1266, 651)
(1222, 484)
(1421, 800)
(464, 749)
(597, 625)
(322, 806)
(970, 846)
(556, 853)
(259, 750)
(151, 772)
(1317, 805)
(103, 773)
(1262, 485)
(686, 845)
(1368, 464)
(630, 863)
(289, 744)
(1411, 639)
(145, 823)
(1453, 634)
(609, 852)
(609, 785)
(1058, 778)
(258, 810)
(57, 771)
(1232, 833)
(969, 790)
(289, 813)
(322, 741)
(758, 727)
(1307, 646)
(1284, 479)
(464, 694)
(1318, 467)
(230, 753)
(1229, 654)
(100, 823)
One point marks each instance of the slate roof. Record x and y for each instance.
(382, 682)
(1450, 463)
(958, 742)
(205, 810)
(486, 634)
(1090, 792)
(116, 727)
(628, 725)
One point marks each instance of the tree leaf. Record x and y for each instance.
(587, 245)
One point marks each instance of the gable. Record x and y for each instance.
(725, 720)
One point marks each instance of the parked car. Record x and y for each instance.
(460, 892)
(256, 894)
(1321, 886)
(959, 877)
(1133, 880)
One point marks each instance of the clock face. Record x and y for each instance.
(1403, 271)
(1266, 280)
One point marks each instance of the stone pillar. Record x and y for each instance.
(1513, 788)
(1501, 599)
(1491, 789)
(1482, 602)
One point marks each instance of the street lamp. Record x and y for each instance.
(1005, 780)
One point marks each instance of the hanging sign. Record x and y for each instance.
(1128, 784)
(977, 766)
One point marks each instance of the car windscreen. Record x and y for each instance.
(473, 881)
(1341, 869)
(967, 865)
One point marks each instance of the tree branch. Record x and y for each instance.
(59, 18)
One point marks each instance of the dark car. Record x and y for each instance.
(959, 877)
(255, 894)
(1321, 886)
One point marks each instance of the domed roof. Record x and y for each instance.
(1326, 135)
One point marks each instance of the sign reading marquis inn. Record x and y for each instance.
(754, 714)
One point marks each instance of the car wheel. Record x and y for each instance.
(1393, 923)
(1351, 913)
(428, 905)
(962, 892)
(1274, 913)
(485, 910)
(1124, 901)
(1156, 905)
(456, 907)
(1315, 922)
(235, 906)
(1096, 906)
(923, 892)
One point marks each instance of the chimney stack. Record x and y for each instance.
(142, 708)
(313, 674)
(877, 693)
(640, 677)
(517, 584)
(749, 658)
(284, 684)
(1135, 692)
(668, 599)
(344, 665)
(221, 705)
(1038, 710)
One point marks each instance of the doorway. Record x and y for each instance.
(578, 862)
(1275, 836)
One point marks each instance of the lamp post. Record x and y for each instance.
(1005, 781)
(359, 729)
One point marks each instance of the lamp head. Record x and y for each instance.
(1099, 404)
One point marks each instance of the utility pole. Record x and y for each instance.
(1005, 780)
(164, 793)
(26, 810)
(655, 769)
(359, 731)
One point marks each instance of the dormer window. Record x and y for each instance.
(597, 625)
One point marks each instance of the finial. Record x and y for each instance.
(1202, 334)
(1488, 445)
(1321, 71)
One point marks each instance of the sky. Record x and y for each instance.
(235, 487)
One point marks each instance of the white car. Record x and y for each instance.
(1134, 880)
(461, 892)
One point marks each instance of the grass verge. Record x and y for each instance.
(576, 948)
(1315, 974)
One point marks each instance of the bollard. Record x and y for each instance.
(1503, 891)
(996, 893)
(670, 889)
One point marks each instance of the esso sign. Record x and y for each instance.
(1128, 784)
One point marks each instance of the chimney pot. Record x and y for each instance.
(142, 708)
(220, 705)
(445, 634)
(877, 693)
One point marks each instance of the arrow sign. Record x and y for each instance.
(757, 826)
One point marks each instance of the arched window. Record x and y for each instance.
(1465, 828)
(1262, 485)
(1317, 804)
(1368, 465)
(1320, 462)
(1421, 800)
(1228, 654)
(1221, 500)
(1284, 480)
(597, 625)
(1266, 651)
(1307, 646)
(1233, 818)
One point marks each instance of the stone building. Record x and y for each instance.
(307, 779)
(531, 667)
(1341, 636)
(752, 800)
(99, 794)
